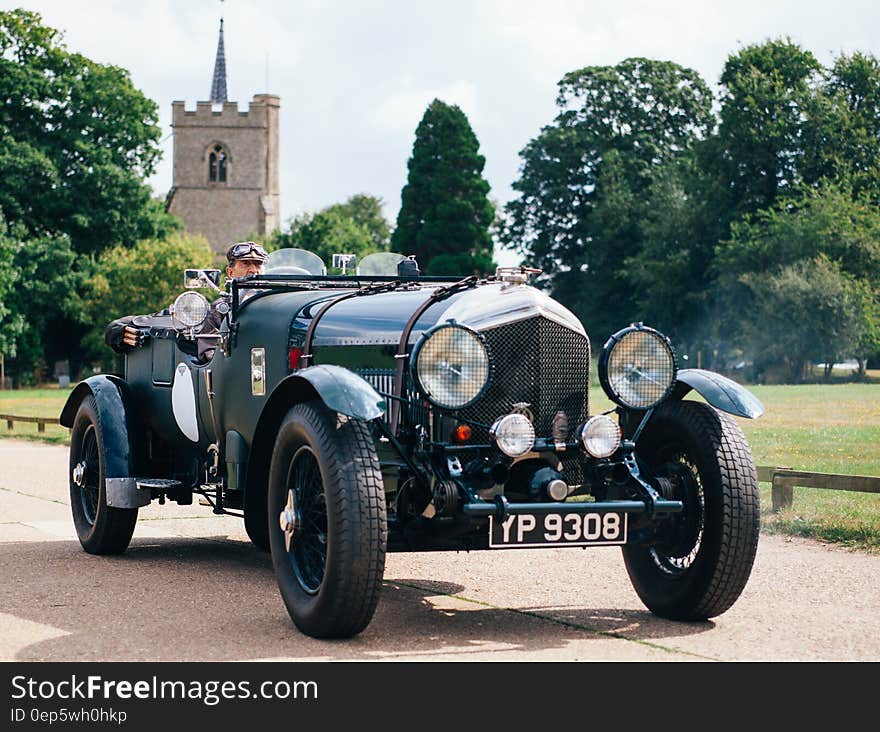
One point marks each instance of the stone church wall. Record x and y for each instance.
(248, 202)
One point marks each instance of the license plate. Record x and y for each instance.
(557, 529)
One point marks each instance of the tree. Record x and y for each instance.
(671, 276)
(842, 137)
(41, 317)
(137, 280)
(767, 95)
(825, 234)
(11, 323)
(814, 292)
(77, 141)
(794, 143)
(867, 302)
(445, 209)
(602, 296)
(586, 180)
(815, 222)
(366, 212)
(354, 227)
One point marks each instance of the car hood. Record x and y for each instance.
(380, 319)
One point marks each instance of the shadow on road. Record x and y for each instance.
(214, 599)
(637, 625)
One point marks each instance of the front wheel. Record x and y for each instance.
(101, 529)
(327, 522)
(704, 556)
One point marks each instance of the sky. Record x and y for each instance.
(355, 77)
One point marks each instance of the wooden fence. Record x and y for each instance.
(41, 422)
(784, 480)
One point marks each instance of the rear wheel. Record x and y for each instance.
(326, 520)
(101, 529)
(255, 523)
(704, 556)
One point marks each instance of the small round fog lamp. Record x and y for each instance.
(513, 434)
(190, 309)
(601, 436)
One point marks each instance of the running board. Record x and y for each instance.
(137, 492)
(157, 484)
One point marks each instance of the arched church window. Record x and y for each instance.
(217, 163)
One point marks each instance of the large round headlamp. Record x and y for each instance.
(637, 367)
(450, 365)
(190, 309)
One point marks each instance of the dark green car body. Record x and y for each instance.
(185, 427)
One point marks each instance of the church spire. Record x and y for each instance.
(218, 85)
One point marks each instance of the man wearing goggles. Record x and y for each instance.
(243, 258)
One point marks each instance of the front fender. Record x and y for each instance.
(721, 392)
(340, 389)
(119, 426)
(343, 391)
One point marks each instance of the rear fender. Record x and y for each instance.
(721, 392)
(120, 429)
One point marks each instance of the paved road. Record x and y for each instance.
(191, 587)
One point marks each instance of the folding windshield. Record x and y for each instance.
(294, 261)
(380, 263)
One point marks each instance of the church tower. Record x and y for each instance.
(225, 179)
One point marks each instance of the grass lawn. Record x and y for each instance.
(34, 403)
(823, 428)
(826, 429)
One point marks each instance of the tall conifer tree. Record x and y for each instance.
(445, 214)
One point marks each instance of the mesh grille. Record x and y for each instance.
(536, 361)
(539, 362)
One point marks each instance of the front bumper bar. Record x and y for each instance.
(501, 508)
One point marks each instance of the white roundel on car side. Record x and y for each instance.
(183, 402)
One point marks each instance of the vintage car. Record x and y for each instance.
(343, 416)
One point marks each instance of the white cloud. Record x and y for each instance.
(355, 78)
(562, 35)
(401, 110)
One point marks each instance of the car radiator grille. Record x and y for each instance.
(536, 361)
(382, 380)
(542, 363)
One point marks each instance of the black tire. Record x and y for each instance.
(702, 564)
(100, 528)
(255, 524)
(330, 576)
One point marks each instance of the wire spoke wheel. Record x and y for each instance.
(87, 474)
(685, 534)
(308, 550)
(700, 559)
(100, 528)
(326, 520)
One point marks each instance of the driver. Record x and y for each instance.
(243, 258)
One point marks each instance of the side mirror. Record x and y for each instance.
(195, 278)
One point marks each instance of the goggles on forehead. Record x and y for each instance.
(244, 249)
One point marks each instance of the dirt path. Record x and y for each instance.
(191, 587)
